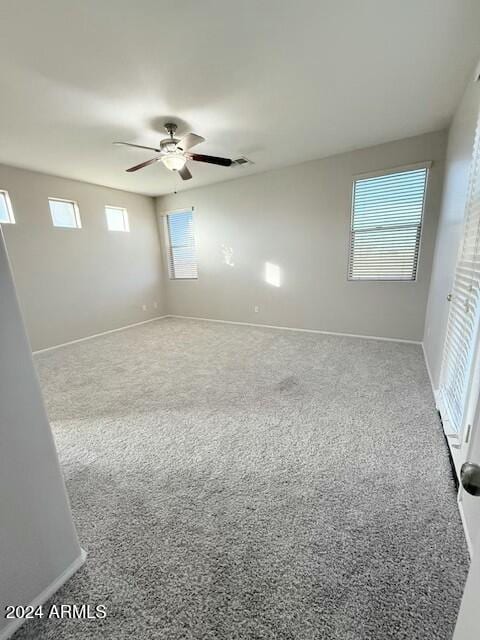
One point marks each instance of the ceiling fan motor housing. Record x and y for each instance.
(169, 145)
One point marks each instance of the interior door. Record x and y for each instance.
(468, 623)
(459, 381)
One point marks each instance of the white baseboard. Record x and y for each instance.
(96, 335)
(45, 595)
(434, 391)
(274, 326)
(248, 324)
(465, 529)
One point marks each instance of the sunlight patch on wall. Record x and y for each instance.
(227, 253)
(273, 274)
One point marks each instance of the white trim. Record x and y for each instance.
(434, 391)
(44, 595)
(166, 212)
(8, 204)
(383, 172)
(76, 213)
(96, 335)
(124, 212)
(273, 326)
(465, 528)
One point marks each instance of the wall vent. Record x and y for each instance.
(242, 161)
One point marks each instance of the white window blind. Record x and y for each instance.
(463, 317)
(6, 211)
(386, 227)
(182, 257)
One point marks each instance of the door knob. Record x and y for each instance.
(470, 477)
(449, 297)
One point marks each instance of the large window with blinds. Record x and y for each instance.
(386, 226)
(459, 377)
(182, 256)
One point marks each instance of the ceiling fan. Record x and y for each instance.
(174, 153)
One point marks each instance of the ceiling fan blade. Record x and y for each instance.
(185, 173)
(143, 164)
(139, 146)
(198, 157)
(189, 141)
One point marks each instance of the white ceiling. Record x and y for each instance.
(280, 81)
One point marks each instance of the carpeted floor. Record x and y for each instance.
(232, 482)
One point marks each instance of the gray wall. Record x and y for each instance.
(459, 154)
(38, 542)
(299, 218)
(74, 283)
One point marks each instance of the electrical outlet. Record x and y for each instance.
(256, 309)
(144, 307)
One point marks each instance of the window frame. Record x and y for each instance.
(377, 174)
(76, 213)
(8, 204)
(126, 222)
(169, 256)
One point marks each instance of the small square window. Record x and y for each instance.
(117, 219)
(6, 211)
(65, 213)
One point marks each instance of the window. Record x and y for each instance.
(65, 213)
(6, 211)
(182, 258)
(458, 387)
(117, 219)
(386, 226)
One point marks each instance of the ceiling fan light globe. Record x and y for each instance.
(174, 161)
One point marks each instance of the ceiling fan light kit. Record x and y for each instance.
(174, 161)
(174, 154)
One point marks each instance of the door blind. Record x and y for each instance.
(182, 256)
(462, 323)
(387, 213)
